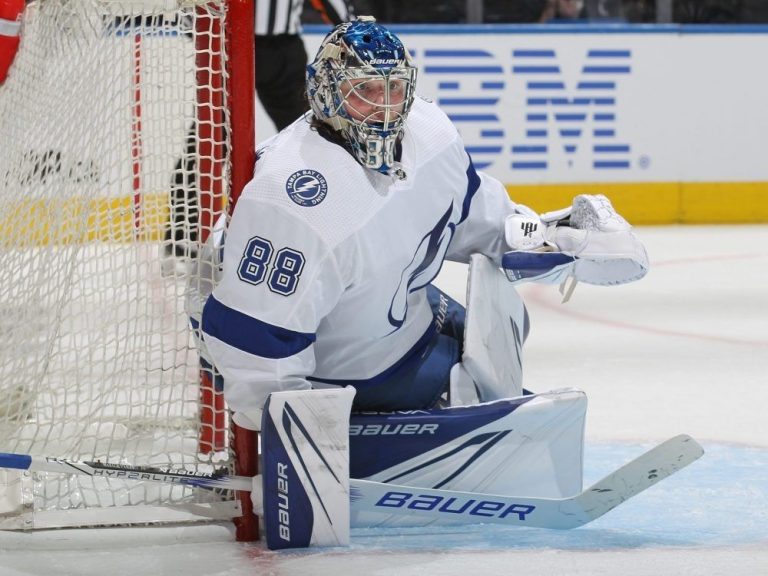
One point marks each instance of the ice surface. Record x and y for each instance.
(684, 350)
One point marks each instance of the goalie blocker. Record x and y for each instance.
(305, 468)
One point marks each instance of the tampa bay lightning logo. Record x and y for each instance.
(423, 268)
(307, 187)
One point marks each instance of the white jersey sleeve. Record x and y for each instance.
(485, 209)
(259, 325)
(482, 230)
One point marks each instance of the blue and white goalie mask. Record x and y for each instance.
(361, 83)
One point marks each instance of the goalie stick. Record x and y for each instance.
(377, 503)
(447, 507)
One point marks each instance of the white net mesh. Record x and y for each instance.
(113, 166)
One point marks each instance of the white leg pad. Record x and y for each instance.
(11, 501)
(494, 333)
(305, 468)
(462, 391)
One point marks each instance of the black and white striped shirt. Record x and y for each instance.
(275, 17)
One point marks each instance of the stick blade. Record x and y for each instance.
(658, 463)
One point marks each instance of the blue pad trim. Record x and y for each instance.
(288, 517)
(530, 265)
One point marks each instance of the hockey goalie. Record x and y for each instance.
(332, 340)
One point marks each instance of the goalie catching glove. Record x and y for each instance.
(587, 242)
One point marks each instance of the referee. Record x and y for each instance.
(281, 58)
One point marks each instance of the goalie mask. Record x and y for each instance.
(361, 83)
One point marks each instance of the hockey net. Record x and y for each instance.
(118, 156)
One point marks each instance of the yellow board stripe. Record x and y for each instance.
(80, 220)
(660, 202)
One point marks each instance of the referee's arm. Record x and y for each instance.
(333, 11)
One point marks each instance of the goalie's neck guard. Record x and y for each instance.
(361, 84)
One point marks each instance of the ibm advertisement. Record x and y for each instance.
(679, 112)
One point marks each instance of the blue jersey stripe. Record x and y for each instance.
(473, 183)
(251, 335)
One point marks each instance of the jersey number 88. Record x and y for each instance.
(282, 275)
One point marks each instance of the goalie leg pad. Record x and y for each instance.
(496, 327)
(305, 446)
(11, 495)
(450, 316)
(529, 445)
(416, 384)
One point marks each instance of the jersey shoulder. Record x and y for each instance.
(316, 182)
(428, 124)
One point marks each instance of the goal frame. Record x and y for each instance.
(219, 81)
(242, 89)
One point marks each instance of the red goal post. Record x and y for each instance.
(242, 86)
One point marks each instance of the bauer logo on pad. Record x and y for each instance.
(306, 187)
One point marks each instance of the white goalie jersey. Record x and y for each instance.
(326, 262)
